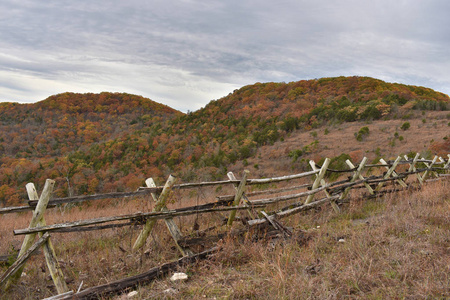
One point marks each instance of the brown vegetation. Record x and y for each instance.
(391, 247)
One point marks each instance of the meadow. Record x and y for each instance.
(393, 247)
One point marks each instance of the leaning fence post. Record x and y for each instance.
(412, 167)
(401, 182)
(323, 183)
(425, 174)
(142, 238)
(54, 267)
(319, 178)
(359, 171)
(244, 197)
(173, 228)
(49, 250)
(389, 172)
(38, 215)
(237, 197)
(356, 175)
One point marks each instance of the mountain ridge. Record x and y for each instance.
(92, 143)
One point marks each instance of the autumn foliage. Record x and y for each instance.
(92, 143)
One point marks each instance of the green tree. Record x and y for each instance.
(405, 126)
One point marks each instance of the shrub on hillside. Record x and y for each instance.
(405, 126)
(371, 113)
(362, 133)
(295, 154)
(347, 115)
(290, 124)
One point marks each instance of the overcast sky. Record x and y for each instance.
(186, 53)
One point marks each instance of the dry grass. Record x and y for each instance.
(397, 247)
(340, 139)
(400, 249)
(392, 249)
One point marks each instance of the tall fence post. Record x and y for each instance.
(244, 197)
(238, 196)
(318, 180)
(425, 174)
(142, 238)
(38, 214)
(412, 167)
(359, 175)
(49, 252)
(170, 223)
(356, 175)
(392, 171)
(389, 172)
(323, 183)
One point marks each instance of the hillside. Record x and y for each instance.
(91, 143)
(38, 140)
(68, 121)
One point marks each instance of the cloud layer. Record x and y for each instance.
(185, 53)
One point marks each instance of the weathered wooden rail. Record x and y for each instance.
(334, 193)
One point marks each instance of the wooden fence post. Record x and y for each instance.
(412, 167)
(401, 182)
(173, 228)
(49, 250)
(323, 183)
(425, 174)
(142, 238)
(38, 215)
(389, 172)
(319, 178)
(244, 196)
(238, 196)
(359, 170)
(54, 267)
(356, 175)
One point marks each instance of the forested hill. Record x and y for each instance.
(295, 99)
(65, 122)
(91, 143)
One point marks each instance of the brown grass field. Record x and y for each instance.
(334, 139)
(393, 247)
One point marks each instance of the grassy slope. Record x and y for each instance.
(335, 139)
(393, 247)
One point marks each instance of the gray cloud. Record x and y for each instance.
(186, 53)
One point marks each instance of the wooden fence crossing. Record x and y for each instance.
(295, 197)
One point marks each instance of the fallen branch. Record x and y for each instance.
(290, 212)
(133, 281)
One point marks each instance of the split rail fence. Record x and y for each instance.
(414, 173)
